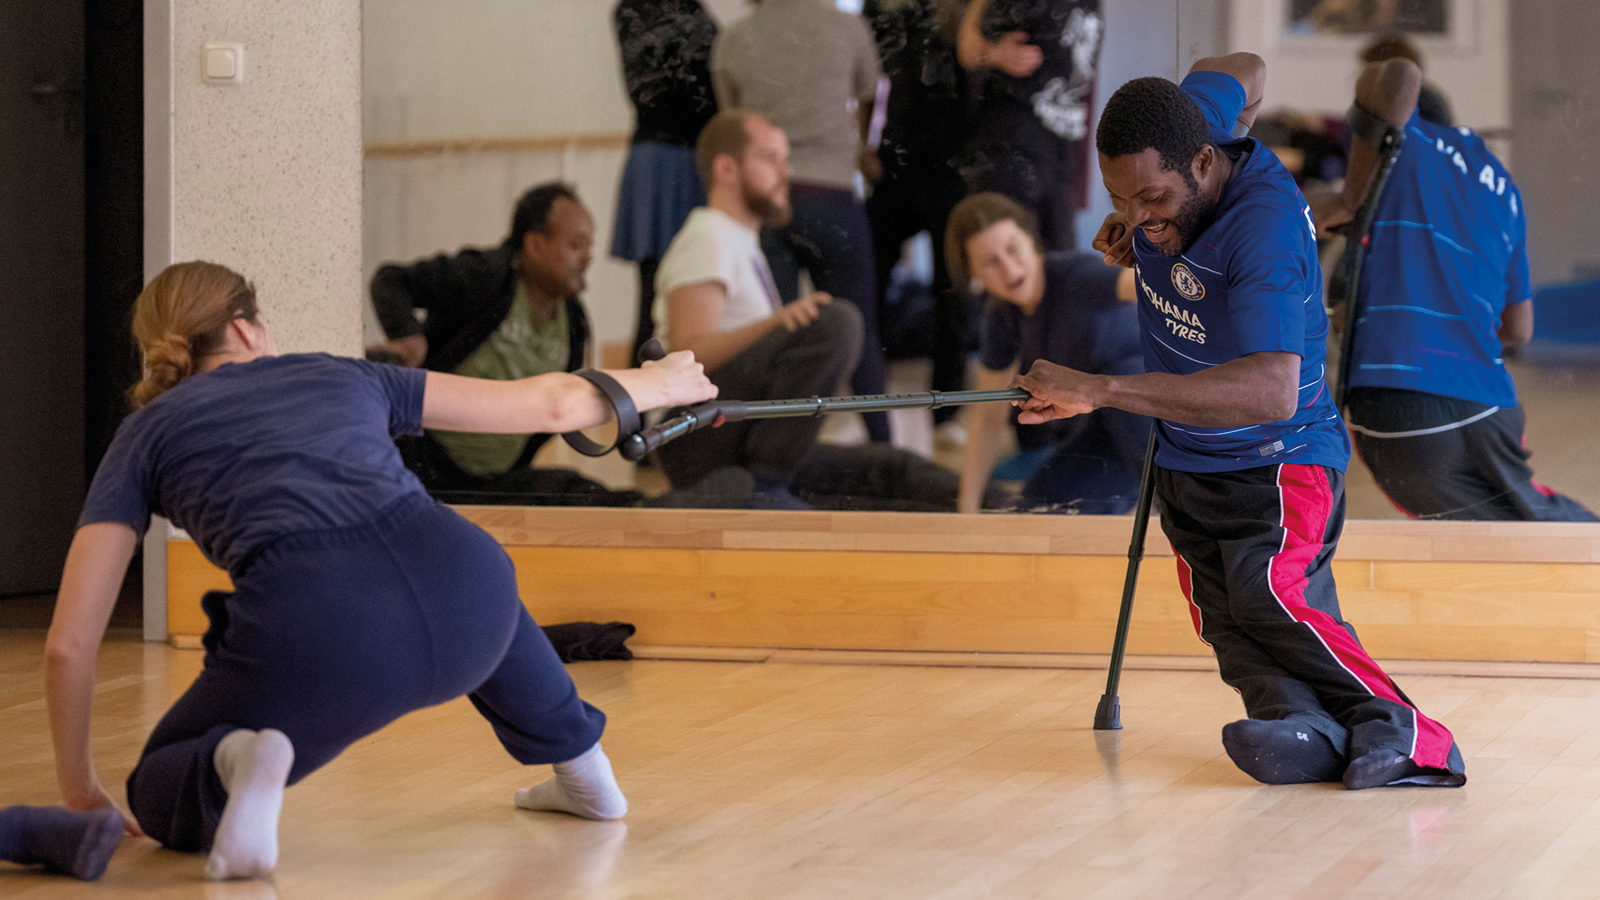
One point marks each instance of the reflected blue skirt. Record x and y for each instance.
(659, 188)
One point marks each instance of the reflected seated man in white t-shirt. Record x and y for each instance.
(715, 296)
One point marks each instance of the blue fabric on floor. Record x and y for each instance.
(1568, 313)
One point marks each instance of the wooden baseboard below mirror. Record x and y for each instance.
(746, 585)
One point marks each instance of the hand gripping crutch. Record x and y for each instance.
(1108, 715)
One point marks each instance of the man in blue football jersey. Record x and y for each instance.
(1443, 287)
(1251, 452)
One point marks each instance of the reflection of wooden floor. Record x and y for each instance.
(806, 781)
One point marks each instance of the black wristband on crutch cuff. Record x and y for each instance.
(621, 403)
(1369, 126)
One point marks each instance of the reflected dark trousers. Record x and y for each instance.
(1255, 552)
(1474, 471)
(831, 239)
(331, 635)
(901, 205)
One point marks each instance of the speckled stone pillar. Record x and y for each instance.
(265, 176)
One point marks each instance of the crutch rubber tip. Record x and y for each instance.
(1108, 715)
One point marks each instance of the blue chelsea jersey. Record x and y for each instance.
(1447, 254)
(1249, 282)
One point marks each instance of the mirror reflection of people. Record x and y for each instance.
(1251, 451)
(1444, 288)
(1068, 308)
(666, 65)
(812, 71)
(923, 130)
(715, 296)
(356, 599)
(503, 313)
(1033, 67)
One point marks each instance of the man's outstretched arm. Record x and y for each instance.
(1251, 390)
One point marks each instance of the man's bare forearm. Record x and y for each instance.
(1252, 390)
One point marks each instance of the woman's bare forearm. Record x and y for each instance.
(96, 564)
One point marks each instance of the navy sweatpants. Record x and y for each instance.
(1255, 554)
(330, 635)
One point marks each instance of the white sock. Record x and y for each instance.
(583, 786)
(253, 766)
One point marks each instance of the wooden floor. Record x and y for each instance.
(782, 780)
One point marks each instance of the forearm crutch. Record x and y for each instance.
(634, 443)
(715, 413)
(1358, 234)
(1108, 715)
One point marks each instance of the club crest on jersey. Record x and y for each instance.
(1187, 284)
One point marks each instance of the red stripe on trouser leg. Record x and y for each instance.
(1186, 584)
(1548, 492)
(1306, 502)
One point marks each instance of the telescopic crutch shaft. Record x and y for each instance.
(717, 412)
(1108, 715)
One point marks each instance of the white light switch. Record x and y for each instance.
(222, 63)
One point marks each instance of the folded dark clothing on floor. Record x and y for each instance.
(579, 641)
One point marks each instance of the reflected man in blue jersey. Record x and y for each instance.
(1443, 287)
(1250, 449)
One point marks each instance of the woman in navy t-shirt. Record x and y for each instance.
(1071, 309)
(356, 599)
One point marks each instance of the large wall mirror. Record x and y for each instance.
(468, 106)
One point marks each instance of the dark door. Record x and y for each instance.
(41, 289)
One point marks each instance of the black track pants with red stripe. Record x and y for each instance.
(1255, 553)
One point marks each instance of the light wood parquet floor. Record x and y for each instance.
(793, 781)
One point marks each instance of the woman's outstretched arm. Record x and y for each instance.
(96, 565)
(557, 402)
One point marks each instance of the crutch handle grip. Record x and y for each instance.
(650, 351)
(711, 414)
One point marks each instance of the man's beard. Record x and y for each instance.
(772, 213)
(1186, 223)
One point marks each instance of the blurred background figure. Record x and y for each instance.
(666, 65)
(1033, 65)
(503, 313)
(918, 184)
(1071, 309)
(717, 299)
(812, 71)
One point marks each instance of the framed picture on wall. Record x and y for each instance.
(1442, 24)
